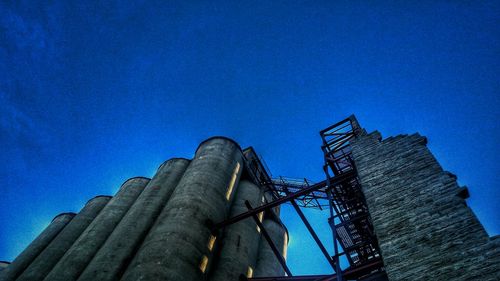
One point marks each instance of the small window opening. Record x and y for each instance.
(203, 263)
(260, 216)
(233, 181)
(285, 245)
(249, 272)
(211, 242)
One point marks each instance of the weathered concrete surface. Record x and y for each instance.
(110, 261)
(162, 230)
(268, 198)
(425, 231)
(267, 262)
(46, 260)
(36, 247)
(177, 243)
(86, 246)
(240, 240)
(4, 265)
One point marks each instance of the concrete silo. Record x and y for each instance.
(180, 244)
(267, 263)
(119, 249)
(45, 261)
(238, 255)
(186, 226)
(36, 247)
(163, 228)
(84, 248)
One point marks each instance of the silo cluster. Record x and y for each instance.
(161, 228)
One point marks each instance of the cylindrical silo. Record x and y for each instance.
(36, 247)
(46, 260)
(179, 245)
(86, 246)
(240, 242)
(267, 262)
(121, 245)
(269, 198)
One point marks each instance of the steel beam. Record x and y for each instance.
(269, 240)
(333, 181)
(350, 273)
(314, 235)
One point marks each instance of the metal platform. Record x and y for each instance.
(350, 219)
(340, 193)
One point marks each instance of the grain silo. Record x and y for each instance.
(162, 228)
(394, 214)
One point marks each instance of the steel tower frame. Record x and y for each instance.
(340, 192)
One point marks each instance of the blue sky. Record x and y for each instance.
(94, 93)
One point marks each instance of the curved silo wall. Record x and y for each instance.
(128, 234)
(267, 262)
(88, 243)
(270, 198)
(46, 260)
(4, 265)
(177, 247)
(240, 242)
(36, 247)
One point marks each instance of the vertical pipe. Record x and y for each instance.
(240, 241)
(267, 263)
(119, 249)
(46, 260)
(81, 252)
(177, 247)
(36, 247)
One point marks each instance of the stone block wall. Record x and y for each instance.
(424, 227)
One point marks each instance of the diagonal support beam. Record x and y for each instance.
(269, 241)
(333, 181)
(351, 273)
(314, 235)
